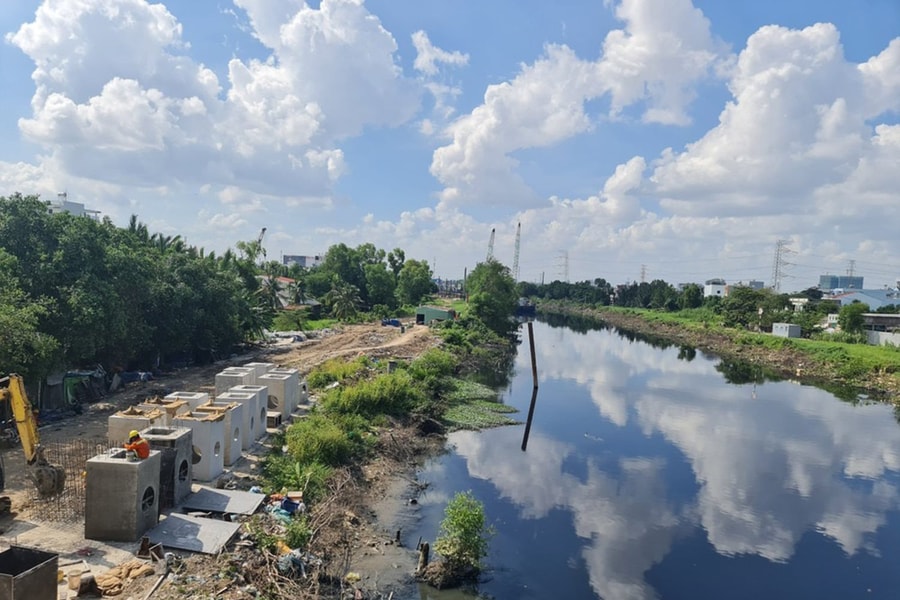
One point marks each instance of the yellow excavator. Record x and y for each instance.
(48, 479)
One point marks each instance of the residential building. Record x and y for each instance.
(62, 205)
(307, 262)
(715, 287)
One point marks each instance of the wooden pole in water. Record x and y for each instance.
(533, 358)
(534, 391)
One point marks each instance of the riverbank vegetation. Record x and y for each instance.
(738, 327)
(363, 405)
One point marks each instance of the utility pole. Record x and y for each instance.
(779, 264)
(490, 252)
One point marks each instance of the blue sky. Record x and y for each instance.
(677, 138)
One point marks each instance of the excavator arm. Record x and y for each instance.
(49, 479)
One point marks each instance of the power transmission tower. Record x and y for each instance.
(490, 252)
(515, 272)
(643, 273)
(564, 265)
(851, 267)
(778, 273)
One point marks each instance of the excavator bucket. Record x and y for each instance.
(50, 480)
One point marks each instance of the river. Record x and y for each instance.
(649, 473)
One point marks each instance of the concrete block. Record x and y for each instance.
(119, 424)
(250, 422)
(279, 388)
(273, 419)
(175, 445)
(195, 399)
(261, 368)
(28, 574)
(262, 403)
(171, 408)
(250, 370)
(233, 423)
(208, 439)
(121, 496)
(291, 386)
(228, 378)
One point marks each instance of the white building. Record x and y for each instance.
(715, 287)
(62, 205)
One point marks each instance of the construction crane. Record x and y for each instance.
(259, 241)
(515, 269)
(490, 252)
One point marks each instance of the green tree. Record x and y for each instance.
(381, 285)
(691, 296)
(343, 299)
(850, 317)
(414, 281)
(492, 296)
(464, 536)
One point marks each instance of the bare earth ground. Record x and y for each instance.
(364, 516)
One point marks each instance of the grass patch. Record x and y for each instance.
(336, 369)
(387, 394)
(479, 414)
(316, 324)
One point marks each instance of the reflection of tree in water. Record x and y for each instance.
(687, 353)
(740, 372)
(576, 323)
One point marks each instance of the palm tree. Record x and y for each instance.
(343, 299)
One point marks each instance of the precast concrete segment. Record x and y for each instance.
(234, 421)
(121, 423)
(227, 379)
(261, 368)
(250, 419)
(291, 386)
(250, 370)
(171, 408)
(208, 439)
(28, 574)
(175, 445)
(278, 385)
(262, 403)
(122, 497)
(195, 399)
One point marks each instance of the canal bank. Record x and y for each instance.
(787, 360)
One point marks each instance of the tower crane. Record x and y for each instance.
(259, 241)
(490, 252)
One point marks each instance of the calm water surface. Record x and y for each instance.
(648, 475)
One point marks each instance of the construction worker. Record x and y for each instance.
(137, 445)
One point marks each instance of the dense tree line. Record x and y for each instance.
(78, 292)
(743, 307)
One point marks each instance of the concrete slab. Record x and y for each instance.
(223, 501)
(194, 534)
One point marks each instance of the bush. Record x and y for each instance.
(388, 394)
(433, 370)
(318, 439)
(288, 320)
(463, 540)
